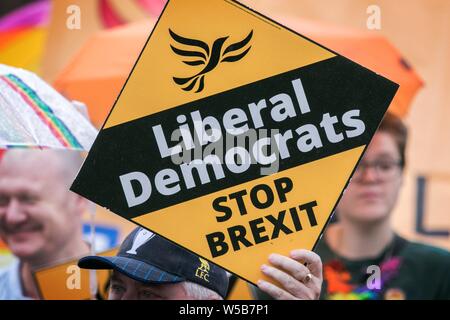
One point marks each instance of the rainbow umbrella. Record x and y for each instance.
(34, 14)
(23, 33)
(33, 114)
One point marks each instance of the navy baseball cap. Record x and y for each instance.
(149, 258)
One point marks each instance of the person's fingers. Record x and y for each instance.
(297, 270)
(274, 291)
(288, 283)
(312, 260)
(291, 266)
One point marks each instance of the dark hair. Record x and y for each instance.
(398, 130)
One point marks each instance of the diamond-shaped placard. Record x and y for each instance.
(219, 65)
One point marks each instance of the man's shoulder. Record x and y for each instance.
(429, 266)
(9, 283)
(6, 271)
(429, 252)
(426, 259)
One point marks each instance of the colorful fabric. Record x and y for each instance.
(43, 111)
(408, 271)
(32, 15)
(112, 18)
(340, 286)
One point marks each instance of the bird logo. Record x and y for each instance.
(200, 53)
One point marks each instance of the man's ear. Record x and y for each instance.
(82, 204)
(402, 177)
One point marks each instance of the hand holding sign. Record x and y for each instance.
(297, 280)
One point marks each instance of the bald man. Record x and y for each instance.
(40, 219)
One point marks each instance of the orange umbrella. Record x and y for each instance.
(97, 73)
(369, 49)
(62, 43)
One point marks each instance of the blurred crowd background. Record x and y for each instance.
(90, 63)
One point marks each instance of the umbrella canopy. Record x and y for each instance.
(30, 15)
(117, 12)
(33, 114)
(99, 70)
(62, 43)
(368, 48)
(23, 33)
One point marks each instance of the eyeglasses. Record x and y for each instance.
(384, 169)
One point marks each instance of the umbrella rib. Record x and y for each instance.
(43, 111)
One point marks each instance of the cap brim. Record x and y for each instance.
(134, 269)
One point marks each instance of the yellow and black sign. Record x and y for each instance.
(66, 281)
(233, 137)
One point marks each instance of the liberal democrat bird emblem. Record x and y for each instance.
(199, 53)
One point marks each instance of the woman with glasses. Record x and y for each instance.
(362, 255)
(363, 258)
